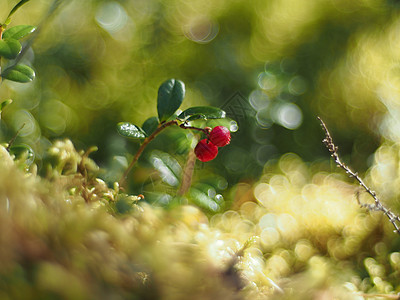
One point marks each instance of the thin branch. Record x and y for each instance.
(146, 141)
(206, 130)
(387, 296)
(14, 137)
(377, 205)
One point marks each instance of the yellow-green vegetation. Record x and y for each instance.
(296, 234)
(271, 217)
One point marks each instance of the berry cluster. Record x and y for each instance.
(207, 149)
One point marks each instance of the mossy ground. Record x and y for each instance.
(297, 235)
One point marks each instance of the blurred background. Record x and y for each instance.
(273, 66)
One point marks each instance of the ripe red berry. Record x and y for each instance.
(220, 136)
(205, 150)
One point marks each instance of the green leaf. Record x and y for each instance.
(168, 167)
(202, 112)
(4, 104)
(18, 32)
(203, 200)
(23, 151)
(19, 73)
(150, 125)
(129, 130)
(170, 97)
(196, 117)
(18, 5)
(10, 48)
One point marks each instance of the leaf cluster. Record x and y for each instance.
(170, 97)
(11, 48)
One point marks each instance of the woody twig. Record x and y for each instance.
(377, 205)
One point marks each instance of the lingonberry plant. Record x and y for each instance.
(170, 97)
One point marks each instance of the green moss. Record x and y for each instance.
(70, 236)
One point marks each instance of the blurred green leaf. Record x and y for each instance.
(168, 167)
(202, 112)
(19, 73)
(202, 200)
(23, 151)
(10, 48)
(15, 8)
(160, 199)
(129, 130)
(150, 125)
(4, 104)
(18, 32)
(170, 97)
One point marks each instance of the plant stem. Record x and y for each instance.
(146, 141)
(204, 130)
(187, 174)
(1, 37)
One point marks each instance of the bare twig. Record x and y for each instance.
(377, 205)
(387, 296)
(14, 137)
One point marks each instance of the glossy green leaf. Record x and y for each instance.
(150, 125)
(4, 104)
(196, 117)
(202, 112)
(23, 152)
(129, 130)
(19, 73)
(10, 48)
(170, 97)
(18, 32)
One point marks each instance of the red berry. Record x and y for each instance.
(220, 136)
(205, 150)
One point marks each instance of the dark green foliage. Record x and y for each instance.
(170, 97)
(150, 125)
